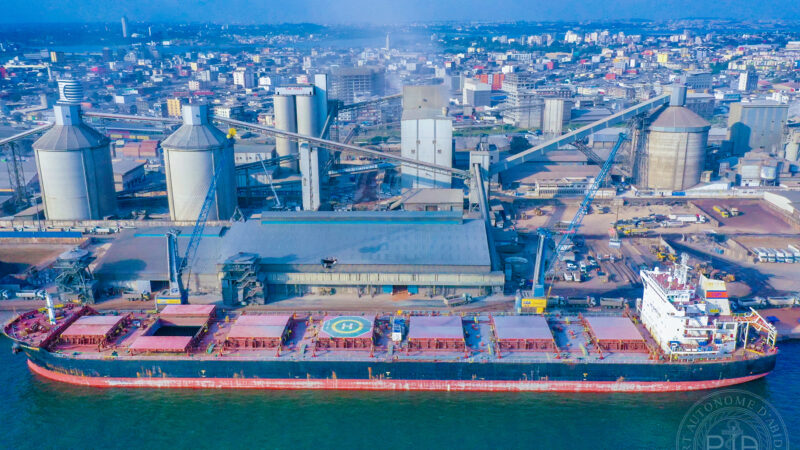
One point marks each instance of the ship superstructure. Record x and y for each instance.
(691, 318)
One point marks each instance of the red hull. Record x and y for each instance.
(390, 385)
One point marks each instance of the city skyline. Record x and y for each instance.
(384, 12)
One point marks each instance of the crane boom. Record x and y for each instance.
(178, 265)
(587, 201)
(542, 268)
(200, 223)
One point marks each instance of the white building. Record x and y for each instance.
(244, 78)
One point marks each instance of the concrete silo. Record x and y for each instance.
(74, 165)
(191, 155)
(286, 120)
(676, 147)
(307, 115)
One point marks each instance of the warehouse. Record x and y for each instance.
(306, 252)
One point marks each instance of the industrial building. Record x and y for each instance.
(534, 180)
(74, 166)
(556, 113)
(675, 149)
(303, 109)
(432, 200)
(757, 125)
(524, 107)
(426, 134)
(299, 253)
(476, 93)
(128, 174)
(193, 155)
(351, 84)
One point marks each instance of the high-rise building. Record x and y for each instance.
(698, 80)
(350, 84)
(757, 125)
(124, 26)
(523, 108)
(244, 78)
(748, 80)
(174, 107)
(426, 134)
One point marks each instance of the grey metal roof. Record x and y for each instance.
(679, 119)
(195, 137)
(70, 137)
(123, 166)
(426, 196)
(358, 246)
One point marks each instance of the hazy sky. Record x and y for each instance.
(384, 11)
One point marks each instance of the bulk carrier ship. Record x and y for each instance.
(681, 336)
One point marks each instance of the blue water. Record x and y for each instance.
(37, 414)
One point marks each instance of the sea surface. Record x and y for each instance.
(40, 414)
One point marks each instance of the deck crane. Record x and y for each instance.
(178, 290)
(537, 298)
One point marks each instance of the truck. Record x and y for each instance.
(608, 302)
(580, 301)
(722, 211)
(457, 300)
(688, 218)
(32, 294)
(673, 224)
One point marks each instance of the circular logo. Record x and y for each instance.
(346, 326)
(732, 419)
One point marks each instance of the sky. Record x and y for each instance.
(384, 11)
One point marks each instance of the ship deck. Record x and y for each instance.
(331, 337)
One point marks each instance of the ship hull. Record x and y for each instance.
(403, 375)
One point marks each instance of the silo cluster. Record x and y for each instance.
(676, 147)
(300, 109)
(74, 165)
(192, 156)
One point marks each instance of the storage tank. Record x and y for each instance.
(74, 165)
(307, 115)
(285, 119)
(676, 147)
(769, 173)
(191, 155)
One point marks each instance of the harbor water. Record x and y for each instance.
(39, 413)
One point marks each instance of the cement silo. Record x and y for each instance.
(307, 115)
(676, 147)
(286, 120)
(74, 165)
(191, 155)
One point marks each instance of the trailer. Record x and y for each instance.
(607, 302)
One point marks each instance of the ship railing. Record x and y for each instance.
(760, 324)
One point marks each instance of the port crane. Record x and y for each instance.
(178, 290)
(537, 299)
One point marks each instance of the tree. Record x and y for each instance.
(518, 144)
